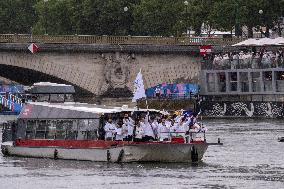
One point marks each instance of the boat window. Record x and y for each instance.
(88, 129)
(82, 129)
(60, 130)
(56, 97)
(256, 86)
(71, 130)
(43, 98)
(244, 82)
(30, 130)
(233, 78)
(210, 80)
(267, 80)
(279, 81)
(51, 130)
(221, 82)
(69, 98)
(41, 129)
(93, 129)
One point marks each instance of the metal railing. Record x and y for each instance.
(135, 40)
(241, 64)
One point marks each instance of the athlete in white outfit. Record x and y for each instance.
(109, 129)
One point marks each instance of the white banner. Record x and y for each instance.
(139, 91)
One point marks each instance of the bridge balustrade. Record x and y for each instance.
(90, 39)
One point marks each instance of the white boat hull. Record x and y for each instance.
(125, 153)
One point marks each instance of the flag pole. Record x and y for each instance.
(139, 90)
(146, 96)
(147, 104)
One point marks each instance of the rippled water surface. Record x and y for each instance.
(251, 157)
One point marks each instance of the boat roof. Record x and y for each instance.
(44, 110)
(279, 41)
(51, 88)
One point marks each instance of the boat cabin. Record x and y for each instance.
(65, 121)
(51, 92)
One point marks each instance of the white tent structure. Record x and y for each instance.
(279, 41)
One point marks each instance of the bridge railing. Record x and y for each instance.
(90, 39)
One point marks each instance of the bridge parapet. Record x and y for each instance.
(124, 40)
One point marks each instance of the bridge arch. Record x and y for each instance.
(99, 73)
(28, 77)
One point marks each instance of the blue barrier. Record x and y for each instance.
(176, 90)
(12, 102)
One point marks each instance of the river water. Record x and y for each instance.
(251, 157)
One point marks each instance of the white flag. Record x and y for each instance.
(139, 91)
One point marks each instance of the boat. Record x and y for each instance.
(73, 131)
(281, 139)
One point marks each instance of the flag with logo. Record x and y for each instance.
(139, 91)
(205, 49)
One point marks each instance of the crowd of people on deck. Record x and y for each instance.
(254, 60)
(153, 128)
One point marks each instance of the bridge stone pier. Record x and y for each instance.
(102, 70)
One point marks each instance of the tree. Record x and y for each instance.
(17, 16)
(158, 17)
(271, 12)
(200, 14)
(55, 17)
(227, 15)
(108, 17)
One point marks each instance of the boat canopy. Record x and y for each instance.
(44, 110)
(279, 41)
(51, 88)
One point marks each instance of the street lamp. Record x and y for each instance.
(186, 3)
(125, 9)
(126, 29)
(261, 21)
(45, 15)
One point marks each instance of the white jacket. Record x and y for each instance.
(148, 130)
(139, 132)
(119, 134)
(109, 129)
(163, 131)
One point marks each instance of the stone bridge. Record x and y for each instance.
(100, 68)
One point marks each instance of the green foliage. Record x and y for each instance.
(158, 17)
(17, 16)
(142, 17)
(107, 17)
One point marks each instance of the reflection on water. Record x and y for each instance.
(250, 158)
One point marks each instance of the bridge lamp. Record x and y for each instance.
(126, 27)
(261, 20)
(45, 15)
(186, 3)
(125, 9)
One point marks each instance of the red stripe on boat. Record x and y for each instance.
(68, 143)
(89, 143)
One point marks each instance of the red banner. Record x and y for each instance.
(205, 49)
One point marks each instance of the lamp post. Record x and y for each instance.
(126, 29)
(237, 16)
(125, 9)
(260, 12)
(186, 3)
(45, 15)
